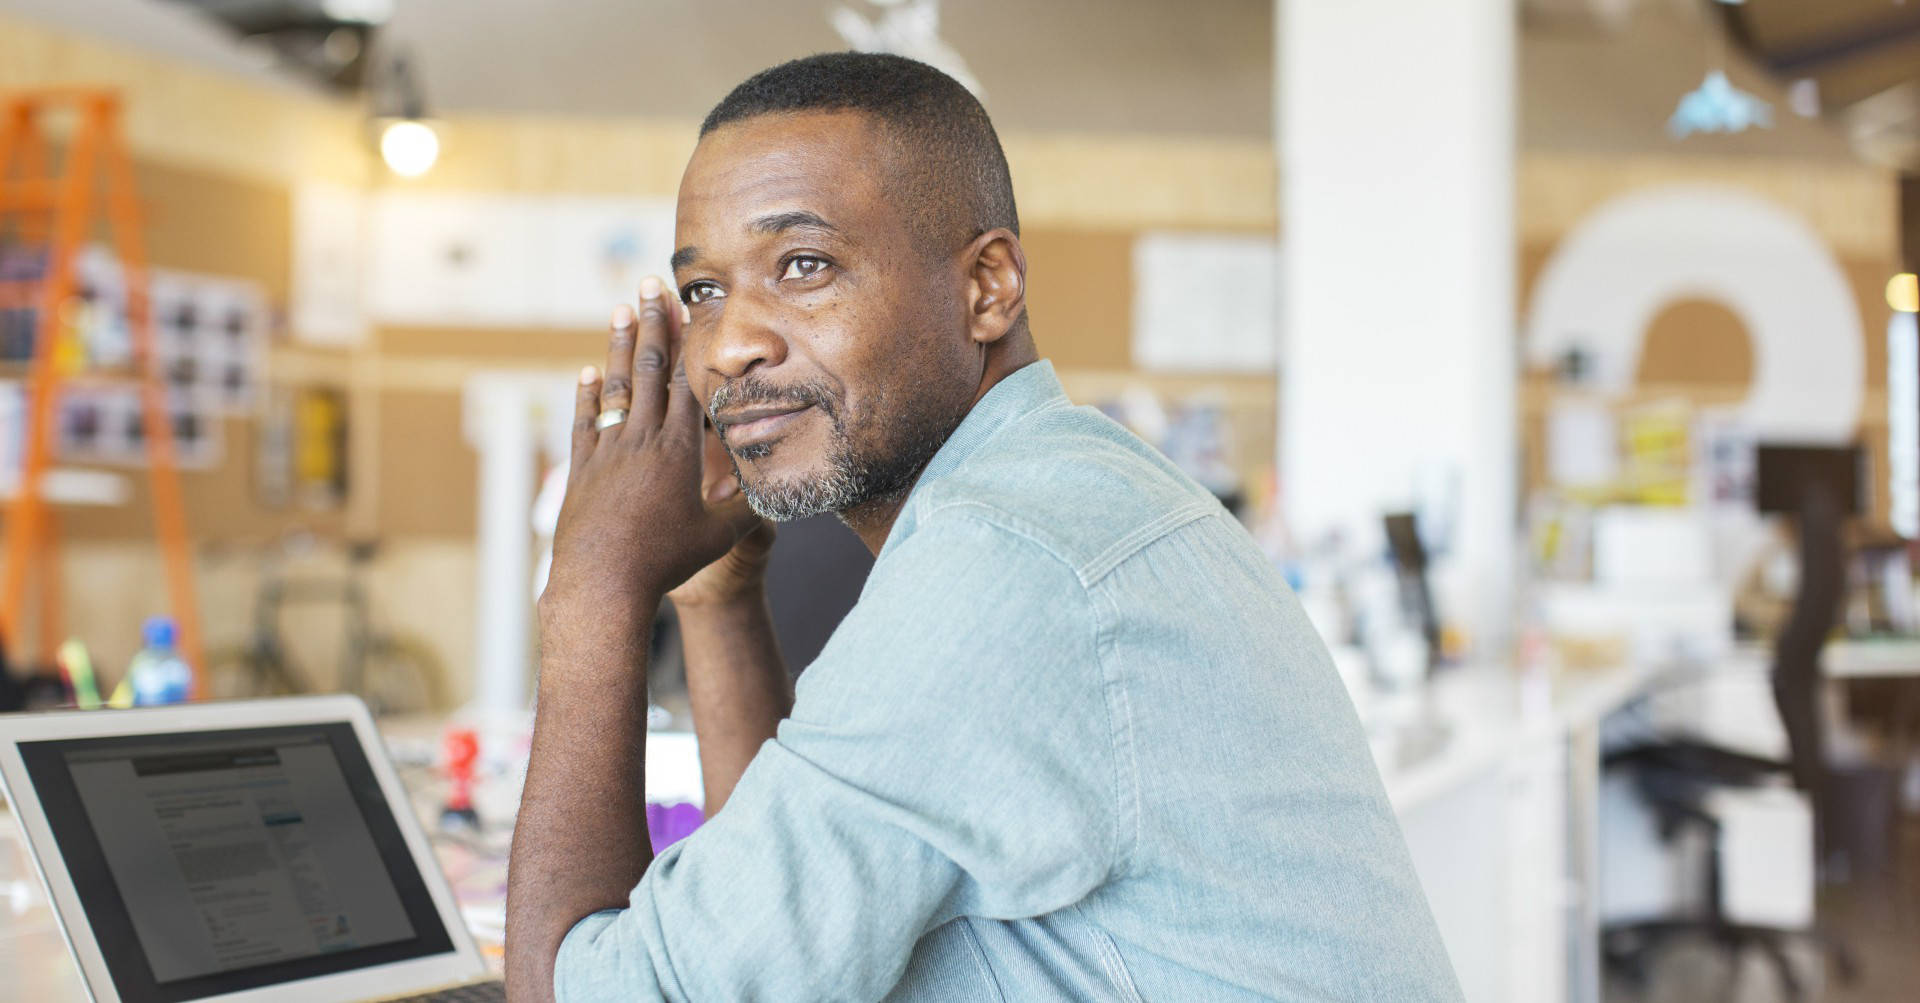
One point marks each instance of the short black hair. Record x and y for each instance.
(958, 173)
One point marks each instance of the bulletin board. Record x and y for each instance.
(216, 225)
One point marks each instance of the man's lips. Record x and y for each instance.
(748, 426)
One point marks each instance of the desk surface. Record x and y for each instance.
(1475, 718)
(1886, 658)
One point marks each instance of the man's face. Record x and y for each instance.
(831, 347)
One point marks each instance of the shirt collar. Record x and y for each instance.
(1020, 393)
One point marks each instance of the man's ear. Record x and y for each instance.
(997, 290)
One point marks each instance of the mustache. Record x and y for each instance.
(752, 390)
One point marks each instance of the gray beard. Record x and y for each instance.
(837, 490)
(850, 480)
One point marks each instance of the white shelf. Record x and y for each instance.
(70, 486)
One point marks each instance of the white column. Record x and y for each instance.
(514, 420)
(1398, 375)
(500, 428)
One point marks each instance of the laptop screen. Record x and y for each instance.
(212, 862)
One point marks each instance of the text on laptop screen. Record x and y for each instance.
(233, 859)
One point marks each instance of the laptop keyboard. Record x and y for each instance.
(479, 992)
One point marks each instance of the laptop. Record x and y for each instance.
(235, 851)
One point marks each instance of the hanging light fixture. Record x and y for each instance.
(1717, 105)
(908, 28)
(408, 142)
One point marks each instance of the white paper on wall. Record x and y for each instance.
(13, 429)
(102, 286)
(105, 424)
(210, 336)
(455, 259)
(1205, 302)
(596, 251)
(329, 243)
(1583, 445)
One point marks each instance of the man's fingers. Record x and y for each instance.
(652, 365)
(739, 520)
(684, 413)
(616, 392)
(586, 408)
(716, 468)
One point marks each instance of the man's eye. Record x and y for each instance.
(700, 292)
(801, 267)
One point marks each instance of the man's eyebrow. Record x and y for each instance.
(778, 222)
(782, 221)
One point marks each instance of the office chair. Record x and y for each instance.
(1674, 776)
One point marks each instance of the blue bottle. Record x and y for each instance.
(158, 674)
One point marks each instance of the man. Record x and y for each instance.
(1076, 741)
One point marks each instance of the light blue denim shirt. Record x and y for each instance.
(1075, 742)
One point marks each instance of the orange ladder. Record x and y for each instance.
(59, 211)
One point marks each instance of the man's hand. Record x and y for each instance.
(740, 574)
(635, 524)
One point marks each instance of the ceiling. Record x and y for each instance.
(1200, 67)
(1045, 65)
(1608, 82)
(1863, 55)
(1594, 75)
(1854, 48)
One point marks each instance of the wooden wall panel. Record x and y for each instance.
(427, 472)
(509, 345)
(219, 224)
(1080, 296)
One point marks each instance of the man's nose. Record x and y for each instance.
(745, 336)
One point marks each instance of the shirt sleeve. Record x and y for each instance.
(949, 754)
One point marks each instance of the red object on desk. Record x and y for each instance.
(462, 749)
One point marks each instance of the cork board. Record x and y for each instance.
(1080, 296)
(218, 225)
(427, 472)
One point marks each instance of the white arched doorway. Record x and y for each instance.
(1638, 253)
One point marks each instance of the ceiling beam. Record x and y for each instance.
(1809, 58)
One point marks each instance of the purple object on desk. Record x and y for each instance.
(668, 824)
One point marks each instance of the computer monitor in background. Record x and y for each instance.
(1820, 486)
(1785, 473)
(1410, 566)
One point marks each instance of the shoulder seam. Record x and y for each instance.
(1135, 541)
(1121, 755)
(995, 517)
(1117, 552)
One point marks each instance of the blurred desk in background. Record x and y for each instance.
(1872, 658)
(1495, 778)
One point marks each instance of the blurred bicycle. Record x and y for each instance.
(394, 673)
